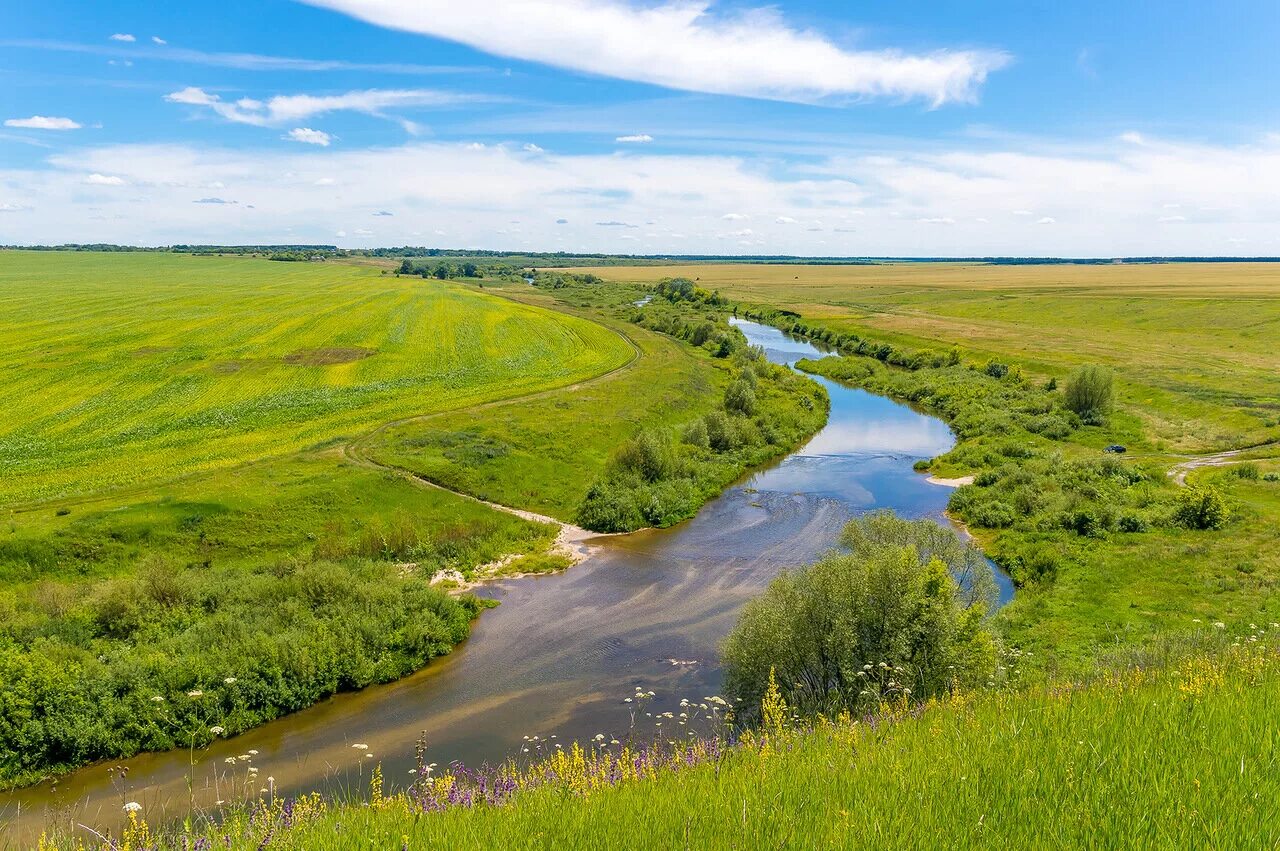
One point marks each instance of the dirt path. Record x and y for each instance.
(1178, 472)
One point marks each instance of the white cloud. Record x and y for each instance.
(1023, 213)
(735, 217)
(936, 220)
(283, 109)
(686, 44)
(1105, 197)
(363, 232)
(123, 37)
(1170, 219)
(534, 149)
(308, 136)
(158, 40)
(1133, 138)
(635, 139)
(1046, 220)
(785, 220)
(42, 122)
(7, 207)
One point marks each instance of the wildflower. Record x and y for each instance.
(132, 807)
(599, 737)
(230, 760)
(252, 752)
(194, 693)
(360, 746)
(217, 731)
(157, 699)
(229, 680)
(1219, 625)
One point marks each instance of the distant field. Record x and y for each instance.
(120, 369)
(1194, 344)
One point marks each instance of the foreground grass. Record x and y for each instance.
(120, 369)
(1179, 756)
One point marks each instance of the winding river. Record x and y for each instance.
(646, 610)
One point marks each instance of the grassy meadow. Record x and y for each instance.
(124, 369)
(1192, 344)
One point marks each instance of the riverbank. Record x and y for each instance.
(984, 769)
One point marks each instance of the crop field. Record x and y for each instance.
(1193, 344)
(124, 369)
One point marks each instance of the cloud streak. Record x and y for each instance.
(684, 44)
(285, 109)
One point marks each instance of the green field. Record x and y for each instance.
(121, 369)
(1193, 344)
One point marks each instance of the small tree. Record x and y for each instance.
(1090, 394)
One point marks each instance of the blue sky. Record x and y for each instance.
(863, 128)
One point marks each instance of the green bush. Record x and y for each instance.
(1201, 507)
(900, 614)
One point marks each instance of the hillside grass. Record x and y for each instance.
(126, 369)
(1193, 344)
(1181, 754)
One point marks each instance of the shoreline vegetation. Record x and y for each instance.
(1026, 766)
(120, 606)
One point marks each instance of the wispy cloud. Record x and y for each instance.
(635, 138)
(127, 37)
(685, 44)
(43, 122)
(285, 109)
(155, 39)
(308, 136)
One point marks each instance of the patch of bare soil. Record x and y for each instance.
(329, 356)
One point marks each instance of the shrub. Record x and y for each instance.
(900, 615)
(1201, 507)
(1090, 394)
(695, 434)
(993, 515)
(1271, 477)
(740, 398)
(995, 369)
(1249, 472)
(648, 454)
(1132, 522)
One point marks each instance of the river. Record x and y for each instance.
(561, 652)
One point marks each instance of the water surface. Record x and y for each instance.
(561, 652)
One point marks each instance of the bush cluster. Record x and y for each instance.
(660, 477)
(155, 660)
